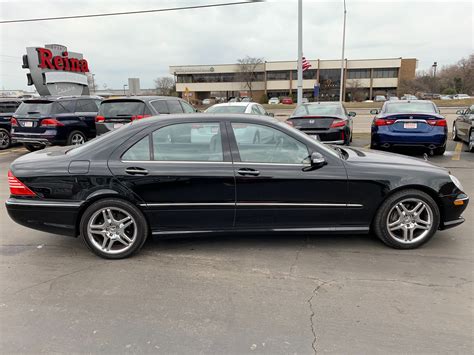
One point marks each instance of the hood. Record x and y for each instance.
(367, 156)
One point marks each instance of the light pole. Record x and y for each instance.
(435, 64)
(124, 85)
(342, 57)
(300, 53)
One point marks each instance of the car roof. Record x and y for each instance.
(11, 99)
(234, 104)
(178, 118)
(142, 98)
(406, 102)
(324, 103)
(60, 98)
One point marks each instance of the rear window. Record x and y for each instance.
(226, 109)
(121, 108)
(34, 107)
(318, 110)
(412, 107)
(8, 107)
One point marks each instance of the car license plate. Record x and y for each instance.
(28, 124)
(315, 137)
(410, 125)
(118, 125)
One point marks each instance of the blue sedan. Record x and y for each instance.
(409, 123)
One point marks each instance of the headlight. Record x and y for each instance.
(456, 182)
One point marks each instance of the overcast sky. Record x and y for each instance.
(145, 45)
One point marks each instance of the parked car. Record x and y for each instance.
(463, 127)
(206, 102)
(245, 99)
(409, 97)
(7, 109)
(461, 97)
(114, 113)
(380, 98)
(67, 120)
(239, 107)
(274, 101)
(409, 123)
(393, 98)
(445, 97)
(148, 179)
(286, 101)
(328, 122)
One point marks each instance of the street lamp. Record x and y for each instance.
(435, 64)
(300, 54)
(342, 57)
(124, 85)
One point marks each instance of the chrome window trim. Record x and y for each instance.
(177, 162)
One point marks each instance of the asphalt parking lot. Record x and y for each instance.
(240, 294)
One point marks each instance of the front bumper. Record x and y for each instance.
(452, 207)
(58, 217)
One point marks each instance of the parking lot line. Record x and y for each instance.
(457, 152)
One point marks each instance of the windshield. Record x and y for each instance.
(412, 107)
(38, 107)
(121, 108)
(318, 110)
(226, 109)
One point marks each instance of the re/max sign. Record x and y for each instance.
(48, 61)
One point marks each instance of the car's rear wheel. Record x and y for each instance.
(4, 139)
(76, 138)
(33, 147)
(407, 219)
(455, 133)
(113, 228)
(471, 141)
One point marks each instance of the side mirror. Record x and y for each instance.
(459, 112)
(271, 114)
(352, 114)
(317, 160)
(374, 112)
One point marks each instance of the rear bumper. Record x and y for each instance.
(412, 139)
(330, 136)
(58, 217)
(38, 138)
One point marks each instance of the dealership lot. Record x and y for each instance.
(287, 293)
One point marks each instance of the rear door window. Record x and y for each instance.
(64, 106)
(121, 108)
(174, 106)
(139, 151)
(87, 105)
(187, 107)
(160, 106)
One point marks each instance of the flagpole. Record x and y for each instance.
(341, 99)
(300, 53)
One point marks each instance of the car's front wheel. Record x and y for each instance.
(4, 139)
(113, 228)
(407, 219)
(471, 141)
(455, 133)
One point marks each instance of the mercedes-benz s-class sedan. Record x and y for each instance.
(204, 173)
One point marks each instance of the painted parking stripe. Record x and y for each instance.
(457, 152)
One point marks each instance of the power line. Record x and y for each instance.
(131, 12)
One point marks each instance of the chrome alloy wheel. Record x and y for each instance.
(4, 139)
(77, 139)
(112, 230)
(410, 220)
(471, 141)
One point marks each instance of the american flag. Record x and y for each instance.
(306, 64)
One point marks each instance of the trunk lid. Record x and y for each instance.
(313, 122)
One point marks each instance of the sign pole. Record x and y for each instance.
(300, 53)
(341, 99)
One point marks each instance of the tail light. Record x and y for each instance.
(439, 123)
(383, 122)
(14, 122)
(338, 123)
(17, 187)
(290, 123)
(51, 122)
(99, 118)
(139, 117)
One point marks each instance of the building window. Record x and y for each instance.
(278, 75)
(309, 74)
(386, 73)
(214, 78)
(358, 74)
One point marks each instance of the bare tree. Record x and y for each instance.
(165, 86)
(249, 68)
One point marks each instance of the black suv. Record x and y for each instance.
(7, 109)
(114, 113)
(68, 120)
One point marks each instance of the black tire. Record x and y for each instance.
(373, 145)
(470, 142)
(380, 223)
(73, 136)
(440, 150)
(95, 209)
(5, 139)
(455, 134)
(33, 147)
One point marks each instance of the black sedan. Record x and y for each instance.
(328, 122)
(463, 127)
(7, 109)
(199, 173)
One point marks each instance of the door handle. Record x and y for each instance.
(248, 171)
(136, 171)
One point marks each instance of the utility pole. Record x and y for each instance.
(300, 53)
(341, 99)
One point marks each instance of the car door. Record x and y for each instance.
(183, 174)
(86, 112)
(275, 188)
(465, 124)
